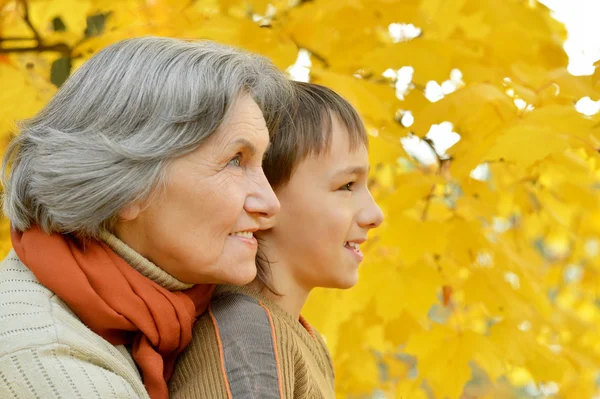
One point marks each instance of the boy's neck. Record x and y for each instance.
(293, 295)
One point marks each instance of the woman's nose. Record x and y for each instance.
(262, 201)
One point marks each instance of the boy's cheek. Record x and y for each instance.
(267, 223)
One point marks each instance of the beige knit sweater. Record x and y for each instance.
(47, 352)
(247, 347)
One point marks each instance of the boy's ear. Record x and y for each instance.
(130, 212)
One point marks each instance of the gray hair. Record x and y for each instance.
(105, 138)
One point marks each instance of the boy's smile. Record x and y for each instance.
(354, 248)
(326, 213)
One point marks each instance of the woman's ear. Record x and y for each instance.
(130, 212)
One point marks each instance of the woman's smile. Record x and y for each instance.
(247, 238)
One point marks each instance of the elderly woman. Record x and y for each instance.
(137, 187)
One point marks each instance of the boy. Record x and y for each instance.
(253, 342)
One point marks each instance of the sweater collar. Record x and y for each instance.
(300, 325)
(143, 265)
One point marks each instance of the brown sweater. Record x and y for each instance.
(246, 346)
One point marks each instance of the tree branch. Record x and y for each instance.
(39, 47)
(427, 203)
(317, 56)
(429, 142)
(15, 39)
(59, 48)
(36, 35)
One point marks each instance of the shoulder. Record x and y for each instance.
(236, 338)
(244, 330)
(25, 307)
(235, 317)
(250, 328)
(321, 341)
(44, 345)
(322, 345)
(229, 311)
(32, 315)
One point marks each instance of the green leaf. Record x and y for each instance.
(58, 25)
(95, 25)
(61, 69)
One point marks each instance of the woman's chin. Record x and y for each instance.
(241, 274)
(236, 272)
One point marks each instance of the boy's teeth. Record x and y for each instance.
(353, 245)
(245, 234)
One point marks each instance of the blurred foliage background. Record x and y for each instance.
(483, 281)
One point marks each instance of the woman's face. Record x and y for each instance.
(199, 228)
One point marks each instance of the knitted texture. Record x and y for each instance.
(301, 358)
(47, 352)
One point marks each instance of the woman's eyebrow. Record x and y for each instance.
(241, 141)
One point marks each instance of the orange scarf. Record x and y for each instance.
(115, 301)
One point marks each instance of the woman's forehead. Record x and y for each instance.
(244, 119)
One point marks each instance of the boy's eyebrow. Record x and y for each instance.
(353, 170)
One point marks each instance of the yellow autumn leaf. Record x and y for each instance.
(415, 54)
(416, 237)
(474, 26)
(73, 14)
(487, 267)
(477, 112)
(399, 329)
(579, 386)
(413, 289)
(410, 388)
(444, 357)
(411, 188)
(358, 368)
(373, 101)
(17, 85)
(521, 348)
(445, 14)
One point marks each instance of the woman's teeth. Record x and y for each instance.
(244, 234)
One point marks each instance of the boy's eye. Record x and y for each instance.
(347, 186)
(237, 160)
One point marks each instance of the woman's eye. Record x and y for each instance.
(237, 160)
(347, 186)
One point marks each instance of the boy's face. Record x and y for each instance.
(326, 213)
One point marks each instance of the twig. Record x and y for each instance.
(37, 36)
(429, 142)
(60, 48)
(418, 86)
(39, 47)
(428, 201)
(15, 39)
(316, 55)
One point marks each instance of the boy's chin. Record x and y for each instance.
(343, 282)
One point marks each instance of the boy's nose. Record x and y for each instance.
(371, 215)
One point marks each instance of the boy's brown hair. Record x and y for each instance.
(306, 131)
